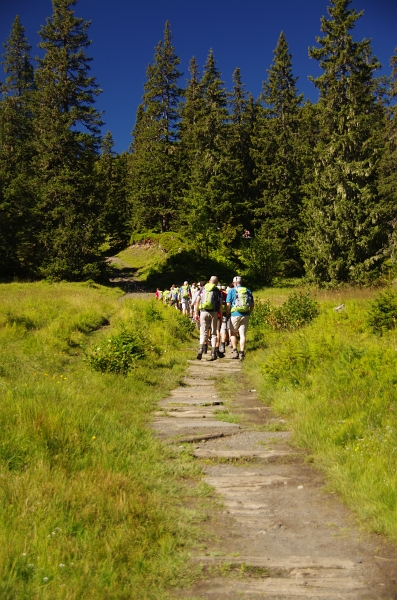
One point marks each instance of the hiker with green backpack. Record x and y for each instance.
(239, 305)
(208, 305)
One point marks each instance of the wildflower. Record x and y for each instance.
(93, 437)
(30, 566)
(61, 565)
(45, 579)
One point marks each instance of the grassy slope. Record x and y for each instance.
(336, 382)
(90, 499)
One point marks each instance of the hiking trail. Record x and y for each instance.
(279, 533)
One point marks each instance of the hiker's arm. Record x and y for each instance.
(228, 305)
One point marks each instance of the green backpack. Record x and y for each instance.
(208, 297)
(185, 291)
(242, 302)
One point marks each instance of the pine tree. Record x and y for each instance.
(17, 230)
(154, 164)
(67, 140)
(277, 151)
(344, 232)
(112, 182)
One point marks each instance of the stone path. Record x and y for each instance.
(279, 535)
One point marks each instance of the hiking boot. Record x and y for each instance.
(221, 347)
(234, 354)
(200, 353)
(241, 356)
(205, 348)
(214, 354)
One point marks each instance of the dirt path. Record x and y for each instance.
(278, 534)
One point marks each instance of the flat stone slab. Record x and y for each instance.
(191, 401)
(188, 414)
(190, 381)
(281, 562)
(193, 423)
(244, 480)
(204, 453)
(303, 585)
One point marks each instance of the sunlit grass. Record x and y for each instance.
(336, 382)
(91, 500)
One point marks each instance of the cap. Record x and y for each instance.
(185, 283)
(236, 279)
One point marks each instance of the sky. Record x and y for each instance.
(242, 33)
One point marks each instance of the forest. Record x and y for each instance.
(315, 184)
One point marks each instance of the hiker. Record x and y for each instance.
(193, 289)
(224, 325)
(209, 303)
(159, 294)
(166, 296)
(185, 298)
(239, 305)
(195, 296)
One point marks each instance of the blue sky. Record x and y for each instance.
(242, 34)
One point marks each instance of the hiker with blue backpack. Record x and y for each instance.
(239, 305)
(208, 306)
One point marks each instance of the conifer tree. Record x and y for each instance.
(154, 162)
(277, 151)
(17, 230)
(67, 139)
(243, 113)
(112, 182)
(388, 166)
(344, 232)
(209, 198)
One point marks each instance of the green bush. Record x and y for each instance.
(298, 310)
(119, 354)
(382, 315)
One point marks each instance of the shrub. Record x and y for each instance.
(119, 354)
(382, 315)
(298, 310)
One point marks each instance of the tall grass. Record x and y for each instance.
(91, 501)
(337, 383)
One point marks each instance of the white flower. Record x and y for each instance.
(45, 579)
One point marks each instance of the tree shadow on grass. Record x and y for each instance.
(189, 265)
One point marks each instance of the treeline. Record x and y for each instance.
(315, 184)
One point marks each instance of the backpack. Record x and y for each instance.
(209, 297)
(242, 301)
(185, 291)
(166, 296)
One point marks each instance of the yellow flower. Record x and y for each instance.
(93, 437)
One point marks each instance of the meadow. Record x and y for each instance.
(335, 381)
(92, 504)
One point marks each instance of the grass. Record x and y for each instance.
(92, 503)
(336, 383)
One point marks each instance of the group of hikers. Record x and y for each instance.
(221, 312)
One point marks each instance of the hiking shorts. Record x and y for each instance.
(208, 320)
(185, 303)
(225, 324)
(239, 325)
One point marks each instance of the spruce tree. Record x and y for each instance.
(67, 140)
(243, 113)
(209, 208)
(112, 183)
(388, 166)
(154, 160)
(278, 153)
(17, 224)
(344, 232)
